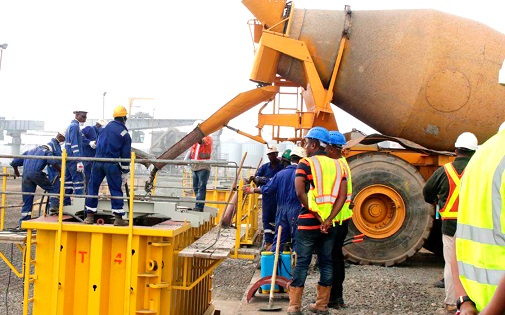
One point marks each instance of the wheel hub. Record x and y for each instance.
(379, 211)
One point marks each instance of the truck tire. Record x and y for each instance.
(389, 209)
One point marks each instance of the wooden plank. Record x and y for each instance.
(208, 247)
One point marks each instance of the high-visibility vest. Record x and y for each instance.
(345, 213)
(202, 151)
(480, 235)
(327, 176)
(450, 209)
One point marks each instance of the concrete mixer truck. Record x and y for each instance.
(419, 77)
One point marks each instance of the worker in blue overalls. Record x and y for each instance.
(33, 176)
(114, 142)
(53, 173)
(269, 203)
(90, 135)
(74, 181)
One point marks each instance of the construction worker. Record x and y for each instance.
(282, 185)
(480, 240)
(200, 151)
(90, 135)
(286, 158)
(321, 187)
(33, 176)
(334, 150)
(74, 181)
(442, 188)
(114, 142)
(268, 203)
(53, 173)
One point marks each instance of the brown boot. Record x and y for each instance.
(119, 221)
(295, 300)
(90, 218)
(321, 305)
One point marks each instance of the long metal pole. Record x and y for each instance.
(103, 105)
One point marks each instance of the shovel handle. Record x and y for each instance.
(274, 272)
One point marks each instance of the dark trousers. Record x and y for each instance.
(200, 179)
(306, 242)
(338, 261)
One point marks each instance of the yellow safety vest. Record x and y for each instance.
(480, 236)
(345, 213)
(327, 176)
(450, 209)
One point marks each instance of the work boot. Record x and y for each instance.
(336, 303)
(321, 305)
(53, 210)
(439, 284)
(90, 218)
(119, 221)
(295, 300)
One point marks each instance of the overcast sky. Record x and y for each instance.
(191, 56)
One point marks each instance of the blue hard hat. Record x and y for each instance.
(336, 138)
(319, 133)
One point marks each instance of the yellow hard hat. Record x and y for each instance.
(119, 111)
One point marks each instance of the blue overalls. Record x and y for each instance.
(114, 142)
(74, 182)
(269, 204)
(282, 185)
(33, 176)
(52, 173)
(90, 133)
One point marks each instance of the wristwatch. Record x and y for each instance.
(462, 299)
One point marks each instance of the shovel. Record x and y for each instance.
(271, 307)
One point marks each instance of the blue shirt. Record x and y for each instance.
(32, 166)
(73, 139)
(267, 172)
(283, 186)
(89, 134)
(114, 141)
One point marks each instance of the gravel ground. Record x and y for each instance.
(403, 289)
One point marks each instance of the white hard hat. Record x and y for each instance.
(298, 151)
(63, 131)
(273, 149)
(467, 140)
(101, 122)
(502, 126)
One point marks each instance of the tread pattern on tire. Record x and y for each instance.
(386, 169)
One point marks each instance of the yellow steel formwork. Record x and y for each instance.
(92, 278)
(103, 269)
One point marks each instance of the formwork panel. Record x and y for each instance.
(93, 277)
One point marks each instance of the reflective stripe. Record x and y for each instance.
(480, 240)
(75, 151)
(74, 146)
(324, 192)
(345, 213)
(118, 211)
(450, 209)
(123, 133)
(127, 167)
(480, 275)
(91, 209)
(268, 231)
(26, 213)
(480, 235)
